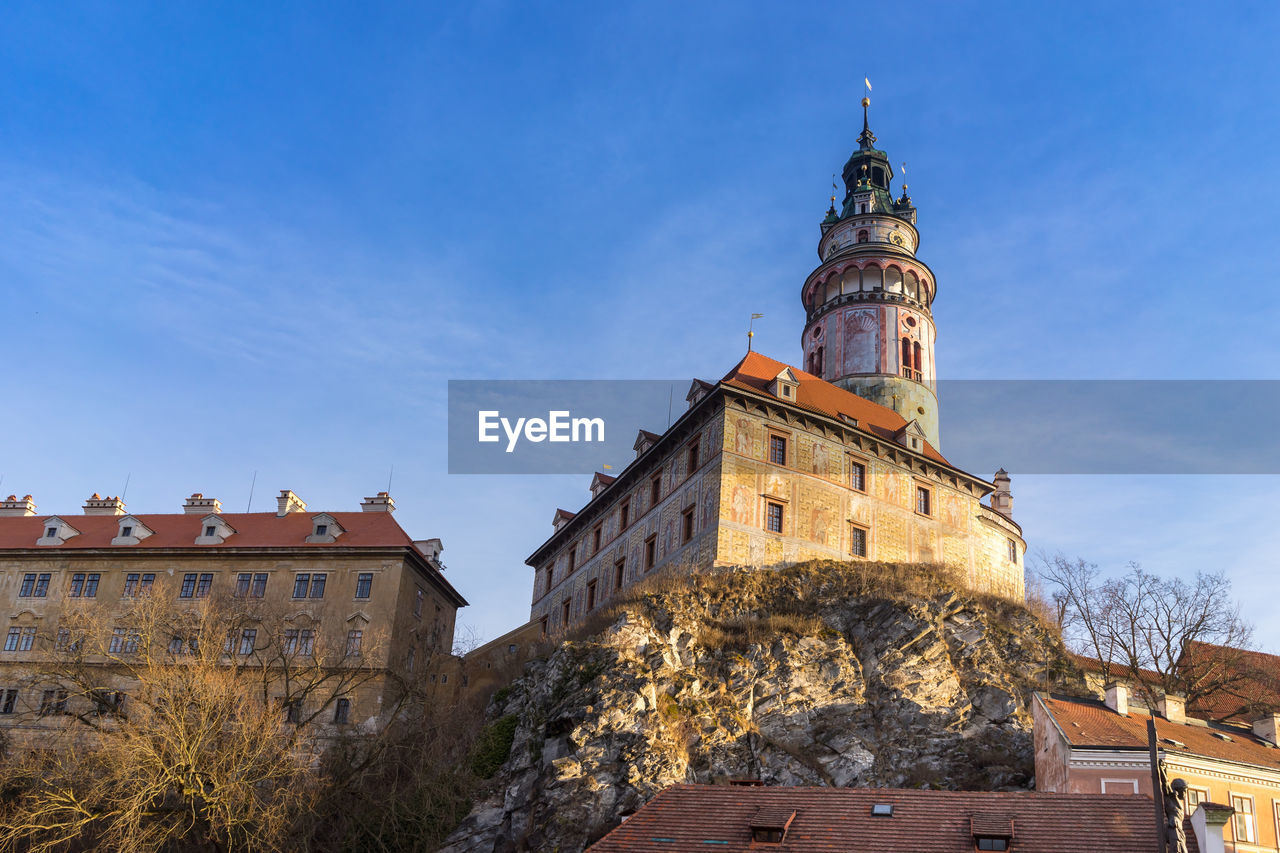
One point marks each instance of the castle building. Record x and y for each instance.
(772, 464)
(351, 581)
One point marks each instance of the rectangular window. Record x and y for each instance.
(317, 584)
(53, 702)
(210, 530)
(1013, 551)
(62, 640)
(188, 585)
(655, 490)
(650, 552)
(923, 501)
(693, 456)
(91, 585)
(290, 641)
(619, 571)
(857, 476)
(205, 584)
(259, 586)
(77, 585)
(248, 639)
(551, 571)
(293, 711)
(28, 639)
(686, 525)
(51, 533)
(11, 639)
(564, 612)
(322, 530)
(355, 639)
(418, 599)
(131, 584)
(573, 559)
(778, 450)
(342, 711)
(591, 595)
(595, 540)
(124, 641)
(177, 645)
(300, 584)
(307, 642)
(35, 586)
(243, 580)
(773, 517)
(1196, 796)
(28, 584)
(857, 541)
(542, 624)
(364, 584)
(1243, 819)
(624, 515)
(8, 699)
(126, 531)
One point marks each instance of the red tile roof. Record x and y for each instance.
(1089, 723)
(1254, 686)
(718, 817)
(756, 372)
(179, 530)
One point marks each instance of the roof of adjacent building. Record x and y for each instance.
(718, 817)
(1252, 682)
(1090, 724)
(179, 530)
(755, 372)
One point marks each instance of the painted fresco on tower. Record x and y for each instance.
(861, 341)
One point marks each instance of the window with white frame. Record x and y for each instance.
(1245, 828)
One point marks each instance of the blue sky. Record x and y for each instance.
(245, 238)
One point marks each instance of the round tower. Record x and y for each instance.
(869, 328)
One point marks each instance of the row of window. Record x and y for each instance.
(778, 454)
(194, 585)
(54, 700)
(124, 641)
(693, 460)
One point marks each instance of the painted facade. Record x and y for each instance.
(774, 465)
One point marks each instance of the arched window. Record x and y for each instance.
(915, 356)
(817, 361)
(906, 352)
(872, 279)
(864, 235)
(864, 209)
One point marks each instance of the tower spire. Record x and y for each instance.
(866, 139)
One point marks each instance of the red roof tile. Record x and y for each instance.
(1088, 723)
(718, 817)
(1254, 685)
(755, 372)
(179, 530)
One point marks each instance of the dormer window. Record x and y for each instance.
(991, 832)
(56, 532)
(785, 385)
(214, 530)
(325, 528)
(770, 825)
(131, 531)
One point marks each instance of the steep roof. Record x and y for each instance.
(1253, 682)
(179, 530)
(1088, 723)
(755, 372)
(827, 820)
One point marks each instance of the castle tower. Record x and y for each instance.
(869, 328)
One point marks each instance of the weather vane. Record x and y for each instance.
(751, 333)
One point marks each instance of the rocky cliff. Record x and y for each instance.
(821, 674)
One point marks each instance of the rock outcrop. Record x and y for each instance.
(821, 674)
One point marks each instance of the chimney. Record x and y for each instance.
(381, 502)
(198, 504)
(1002, 498)
(11, 506)
(1207, 823)
(289, 502)
(1173, 708)
(1118, 698)
(1266, 728)
(103, 506)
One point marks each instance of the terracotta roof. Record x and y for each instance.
(179, 530)
(1255, 687)
(1089, 723)
(718, 817)
(756, 372)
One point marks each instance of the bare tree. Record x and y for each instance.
(1145, 628)
(201, 724)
